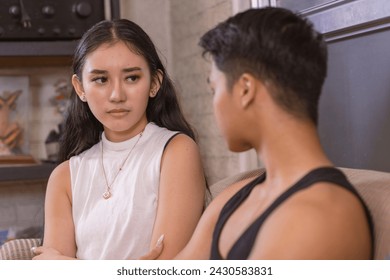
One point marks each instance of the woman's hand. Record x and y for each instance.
(156, 251)
(45, 253)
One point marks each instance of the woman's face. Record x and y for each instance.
(117, 84)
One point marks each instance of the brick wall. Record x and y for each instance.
(189, 21)
(154, 17)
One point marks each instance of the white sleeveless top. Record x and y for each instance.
(121, 226)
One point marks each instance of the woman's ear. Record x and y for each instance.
(156, 83)
(78, 87)
(247, 89)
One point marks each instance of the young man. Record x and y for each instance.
(267, 70)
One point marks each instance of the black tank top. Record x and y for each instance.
(243, 246)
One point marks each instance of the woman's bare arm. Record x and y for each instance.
(181, 195)
(59, 228)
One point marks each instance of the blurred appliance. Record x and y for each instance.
(36, 22)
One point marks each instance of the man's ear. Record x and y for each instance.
(78, 87)
(156, 83)
(247, 89)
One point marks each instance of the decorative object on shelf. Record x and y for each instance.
(10, 132)
(52, 144)
(14, 116)
(61, 101)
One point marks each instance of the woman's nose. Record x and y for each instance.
(117, 93)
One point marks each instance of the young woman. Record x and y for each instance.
(131, 170)
(268, 67)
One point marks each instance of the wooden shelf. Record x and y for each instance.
(34, 61)
(26, 172)
(36, 53)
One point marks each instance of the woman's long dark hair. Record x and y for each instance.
(81, 129)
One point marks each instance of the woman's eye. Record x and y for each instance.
(99, 80)
(132, 78)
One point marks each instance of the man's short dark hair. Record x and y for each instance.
(277, 46)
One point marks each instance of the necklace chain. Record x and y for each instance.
(107, 194)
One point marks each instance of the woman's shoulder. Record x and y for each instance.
(59, 179)
(157, 136)
(61, 171)
(181, 140)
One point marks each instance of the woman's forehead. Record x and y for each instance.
(114, 54)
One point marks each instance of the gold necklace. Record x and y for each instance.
(107, 194)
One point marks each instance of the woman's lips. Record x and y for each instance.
(118, 112)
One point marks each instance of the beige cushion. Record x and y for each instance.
(219, 186)
(18, 249)
(373, 186)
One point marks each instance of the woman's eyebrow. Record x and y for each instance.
(132, 69)
(126, 70)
